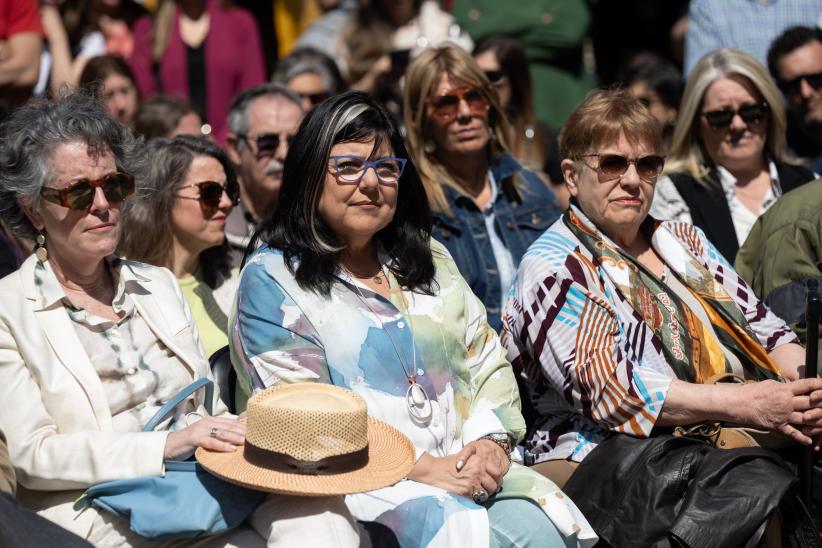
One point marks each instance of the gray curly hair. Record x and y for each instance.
(29, 136)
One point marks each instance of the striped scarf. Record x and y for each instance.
(689, 347)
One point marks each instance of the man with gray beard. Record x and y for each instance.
(261, 122)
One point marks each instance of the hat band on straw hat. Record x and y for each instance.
(281, 462)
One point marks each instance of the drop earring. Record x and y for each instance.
(40, 250)
(429, 147)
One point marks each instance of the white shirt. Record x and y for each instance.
(669, 205)
(505, 262)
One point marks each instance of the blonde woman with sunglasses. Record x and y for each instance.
(728, 162)
(178, 221)
(487, 207)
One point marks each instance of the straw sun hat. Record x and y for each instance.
(315, 440)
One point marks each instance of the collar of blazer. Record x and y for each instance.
(157, 299)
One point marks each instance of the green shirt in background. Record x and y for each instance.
(783, 251)
(211, 321)
(553, 32)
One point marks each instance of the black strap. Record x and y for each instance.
(280, 462)
(709, 210)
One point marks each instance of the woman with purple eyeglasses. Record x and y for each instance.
(347, 287)
(93, 345)
(728, 162)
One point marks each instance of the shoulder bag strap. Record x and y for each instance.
(172, 404)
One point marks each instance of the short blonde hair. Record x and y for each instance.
(602, 117)
(686, 154)
(422, 77)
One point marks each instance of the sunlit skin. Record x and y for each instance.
(356, 212)
(120, 97)
(739, 147)
(305, 84)
(616, 207)
(468, 133)
(806, 104)
(196, 227)
(189, 124)
(488, 62)
(77, 237)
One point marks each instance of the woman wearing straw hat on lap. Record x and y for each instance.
(349, 289)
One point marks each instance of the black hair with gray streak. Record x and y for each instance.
(310, 246)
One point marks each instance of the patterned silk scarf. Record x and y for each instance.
(689, 347)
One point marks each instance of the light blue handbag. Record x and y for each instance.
(186, 502)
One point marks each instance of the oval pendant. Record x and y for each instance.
(417, 394)
(419, 405)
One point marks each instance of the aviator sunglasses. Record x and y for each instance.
(211, 193)
(614, 166)
(750, 114)
(267, 143)
(79, 194)
(447, 106)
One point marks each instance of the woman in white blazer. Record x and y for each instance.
(91, 345)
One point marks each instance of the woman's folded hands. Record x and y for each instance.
(480, 465)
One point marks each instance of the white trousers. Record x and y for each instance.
(279, 521)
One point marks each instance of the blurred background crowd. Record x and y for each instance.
(209, 95)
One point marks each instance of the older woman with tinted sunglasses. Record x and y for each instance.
(621, 323)
(487, 208)
(178, 222)
(727, 163)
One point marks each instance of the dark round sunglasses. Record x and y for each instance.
(79, 194)
(614, 166)
(750, 114)
(211, 193)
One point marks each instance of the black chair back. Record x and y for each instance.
(224, 376)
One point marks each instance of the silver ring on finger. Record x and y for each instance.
(479, 496)
(214, 431)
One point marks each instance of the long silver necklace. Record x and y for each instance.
(416, 398)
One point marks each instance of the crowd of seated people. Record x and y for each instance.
(541, 311)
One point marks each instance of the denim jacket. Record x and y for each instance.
(520, 218)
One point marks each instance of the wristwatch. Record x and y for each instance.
(502, 440)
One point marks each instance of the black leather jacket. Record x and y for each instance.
(645, 492)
